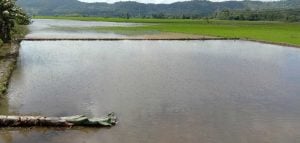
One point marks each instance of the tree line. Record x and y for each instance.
(288, 15)
(284, 10)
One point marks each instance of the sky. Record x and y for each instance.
(150, 1)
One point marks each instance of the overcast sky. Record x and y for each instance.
(147, 1)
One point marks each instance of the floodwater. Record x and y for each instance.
(161, 91)
(49, 28)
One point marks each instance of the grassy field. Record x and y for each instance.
(273, 32)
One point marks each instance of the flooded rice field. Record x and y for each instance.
(47, 28)
(70, 29)
(161, 91)
(179, 91)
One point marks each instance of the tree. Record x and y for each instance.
(127, 15)
(10, 15)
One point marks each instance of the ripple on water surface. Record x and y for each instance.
(162, 91)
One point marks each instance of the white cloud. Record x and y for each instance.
(149, 1)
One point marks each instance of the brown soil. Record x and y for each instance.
(8, 58)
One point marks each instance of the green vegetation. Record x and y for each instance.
(288, 15)
(12, 19)
(192, 9)
(273, 32)
(19, 31)
(8, 58)
(10, 16)
(6, 67)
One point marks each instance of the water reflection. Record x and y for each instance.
(11, 135)
(48, 28)
(162, 91)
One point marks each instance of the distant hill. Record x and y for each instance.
(194, 8)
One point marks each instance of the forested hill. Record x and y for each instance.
(194, 8)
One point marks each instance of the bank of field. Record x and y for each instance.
(8, 57)
(273, 32)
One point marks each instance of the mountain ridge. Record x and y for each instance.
(194, 8)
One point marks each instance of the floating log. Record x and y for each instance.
(70, 121)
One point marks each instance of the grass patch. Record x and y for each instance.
(130, 31)
(275, 32)
(5, 50)
(19, 31)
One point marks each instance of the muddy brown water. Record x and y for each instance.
(162, 91)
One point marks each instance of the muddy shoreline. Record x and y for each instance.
(8, 60)
(120, 39)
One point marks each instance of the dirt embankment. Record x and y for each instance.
(8, 59)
